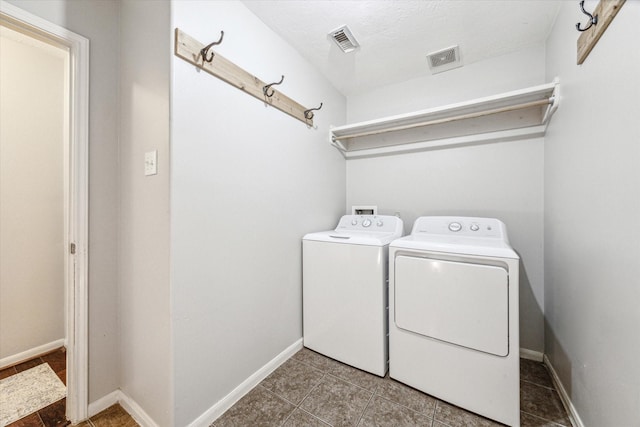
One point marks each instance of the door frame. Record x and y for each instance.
(77, 213)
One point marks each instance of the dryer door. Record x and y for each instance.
(457, 302)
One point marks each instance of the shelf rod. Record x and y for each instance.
(451, 119)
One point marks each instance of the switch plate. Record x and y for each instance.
(151, 163)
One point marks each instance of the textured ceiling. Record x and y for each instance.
(396, 35)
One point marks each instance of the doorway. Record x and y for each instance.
(45, 195)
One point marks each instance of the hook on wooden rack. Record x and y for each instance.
(593, 20)
(266, 88)
(205, 50)
(308, 114)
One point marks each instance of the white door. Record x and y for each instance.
(72, 245)
(459, 303)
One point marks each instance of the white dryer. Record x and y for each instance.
(454, 332)
(345, 290)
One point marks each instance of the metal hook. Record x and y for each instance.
(593, 20)
(205, 50)
(266, 88)
(308, 113)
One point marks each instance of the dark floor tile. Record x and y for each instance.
(300, 418)
(54, 414)
(259, 407)
(29, 364)
(314, 359)
(57, 359)
(406, 396)
(457, 417)
(382, 413)
(7, 372)
(337, 402)
(32, 420)
(113, 416)
(63, 376)
(293, 380)
(535, 372)
(542, 402)
(528, 420)
(355, 376)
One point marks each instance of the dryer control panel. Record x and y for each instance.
(370, 223)
(460, 226)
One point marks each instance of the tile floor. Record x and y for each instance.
(54, 414)
(312, 390)
(113, 416)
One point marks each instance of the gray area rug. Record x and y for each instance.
(28, 392)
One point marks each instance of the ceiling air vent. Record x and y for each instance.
(445, 59)
(344, 39)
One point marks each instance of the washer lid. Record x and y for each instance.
(459, 235)
(371, 230)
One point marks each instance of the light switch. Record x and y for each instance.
(151, 163)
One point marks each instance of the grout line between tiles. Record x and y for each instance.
(538, 384)
(366, 407)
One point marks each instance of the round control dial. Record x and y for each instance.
(474, 227)
(354, 222)
(455, 226)
(366, 223)
(380, 223)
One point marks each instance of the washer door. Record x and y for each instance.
(457, 302)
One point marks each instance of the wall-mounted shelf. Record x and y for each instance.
(513, 115)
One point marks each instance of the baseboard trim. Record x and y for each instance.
(127, 403)
(103, 403)
(536, 356)
(31, 353)
(575, 419)
(211, 414)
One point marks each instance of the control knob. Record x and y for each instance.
(455, 226)
(366, 223)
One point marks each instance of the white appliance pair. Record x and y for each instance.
(449, 307)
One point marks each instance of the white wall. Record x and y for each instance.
(502, 180)
(247, 182)
(592, 203)
(98, 20)
(144, 316)
(32, 147)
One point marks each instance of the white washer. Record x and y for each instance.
(454, 333)
(345, 290)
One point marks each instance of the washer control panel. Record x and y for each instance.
(459, 226)
(372, 223)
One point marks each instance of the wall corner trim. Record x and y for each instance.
(127, 403)
(564, 396)
(245, 387)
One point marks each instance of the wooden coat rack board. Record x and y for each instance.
(604, 12)
(190, 50)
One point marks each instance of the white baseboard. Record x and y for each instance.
(31, 353)
(127, 403)
(229, 400)
(564, 396)
(103, 403)
(536, 356)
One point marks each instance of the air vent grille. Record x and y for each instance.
(344, 39)
(445, 59)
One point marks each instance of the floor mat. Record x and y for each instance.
(29, 391)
